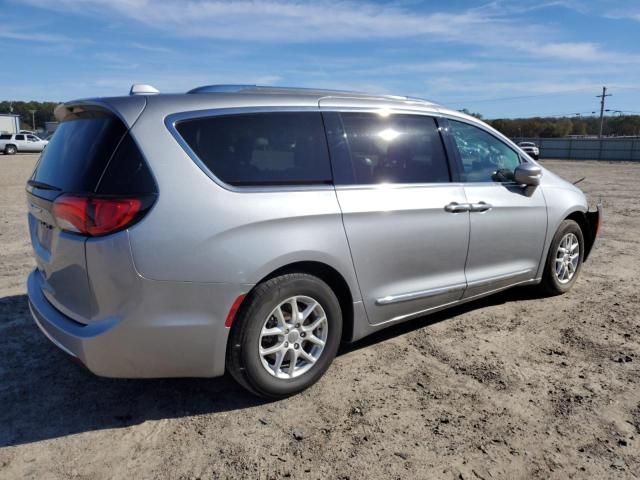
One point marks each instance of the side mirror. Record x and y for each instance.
(528, 174)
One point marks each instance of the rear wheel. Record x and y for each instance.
(564, 259)
(10, 150)
(285, 336)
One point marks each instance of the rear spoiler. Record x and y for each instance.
(128, 109)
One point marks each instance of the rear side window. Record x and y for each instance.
(368, 148)
(5, 137)
(276, 148)
(77, 154)
(19, 137)
(127, 172)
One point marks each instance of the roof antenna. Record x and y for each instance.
(143, 89)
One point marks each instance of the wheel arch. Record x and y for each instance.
(585, 224)
(331, 277)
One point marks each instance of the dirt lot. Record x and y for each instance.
(510, 387)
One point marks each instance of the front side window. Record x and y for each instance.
(32, 138)
(275, 148)
(370, 148)
(484, 157)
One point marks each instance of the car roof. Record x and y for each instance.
(231, 96)
(245, 95)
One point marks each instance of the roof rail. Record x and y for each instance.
(221, 88)
(269, 89)
(232, 88)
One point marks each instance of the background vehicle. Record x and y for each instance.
(531, 149)
(21, 142)
(255, 228)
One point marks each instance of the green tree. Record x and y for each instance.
(43, 112)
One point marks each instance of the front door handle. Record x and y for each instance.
(455, 207)
(480, 207)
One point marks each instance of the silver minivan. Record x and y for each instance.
(253, 229)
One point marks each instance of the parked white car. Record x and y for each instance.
(21, 142)
(531, 149)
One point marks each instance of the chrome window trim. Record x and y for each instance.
(173, 119)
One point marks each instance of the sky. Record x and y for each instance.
(502, 58)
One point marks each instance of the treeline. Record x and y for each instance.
(538, 127)
(545, 127)
(43, 112)
(562, 127)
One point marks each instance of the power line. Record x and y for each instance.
(521, 97)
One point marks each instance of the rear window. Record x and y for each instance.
(277, 148)
(77, 154)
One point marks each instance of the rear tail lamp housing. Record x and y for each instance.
(96, 216)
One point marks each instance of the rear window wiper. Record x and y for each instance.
(42, 185)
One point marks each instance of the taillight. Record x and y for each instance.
(94, 215)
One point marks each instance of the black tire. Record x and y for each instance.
(551, 285)
(243, 359)
(10, 150)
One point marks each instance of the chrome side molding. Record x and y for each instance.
(405, 297)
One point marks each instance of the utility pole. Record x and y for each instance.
(33, 119)
(602, 97)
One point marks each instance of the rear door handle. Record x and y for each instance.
(480, 207)
(455, 207)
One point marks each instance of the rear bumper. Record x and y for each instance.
(173, 331)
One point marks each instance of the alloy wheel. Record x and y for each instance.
(567, 258)
(293, 337)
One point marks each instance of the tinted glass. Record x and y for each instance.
(5, 137)
(78, 153)
(261, 148)
(127, 172)
(368, 148)
(19, 137)
(484, 157)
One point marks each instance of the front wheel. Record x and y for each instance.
(285, 335)
(564, 259)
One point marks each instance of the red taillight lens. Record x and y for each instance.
(94, 216)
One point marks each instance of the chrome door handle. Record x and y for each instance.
(455, 207)
(480, 207)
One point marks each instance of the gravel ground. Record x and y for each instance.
(512, 386)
